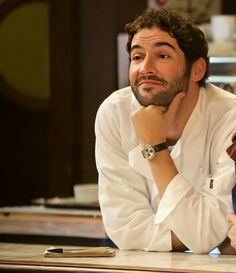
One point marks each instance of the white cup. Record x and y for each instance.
(86, 193)
(223, 27)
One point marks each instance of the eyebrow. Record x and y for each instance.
(158, 44)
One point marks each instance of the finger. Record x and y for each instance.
(231, 218)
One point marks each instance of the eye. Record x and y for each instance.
(135, 58)
(164, 56)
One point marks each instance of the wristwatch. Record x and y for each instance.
(149, 151)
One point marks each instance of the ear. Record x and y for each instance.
(198, 70)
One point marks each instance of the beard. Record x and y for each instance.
(163, 97)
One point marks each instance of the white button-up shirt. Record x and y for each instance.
(196, 201)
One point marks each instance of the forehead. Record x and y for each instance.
(151, 36)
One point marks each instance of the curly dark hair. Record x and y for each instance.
(180, 26)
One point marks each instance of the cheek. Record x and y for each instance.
(171, 72)
(133, 72)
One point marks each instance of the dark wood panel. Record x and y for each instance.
(63, 119)
(24, 154)
(229, 7)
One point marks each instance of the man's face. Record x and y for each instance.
(157, 68)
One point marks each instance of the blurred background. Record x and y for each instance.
(59, 59)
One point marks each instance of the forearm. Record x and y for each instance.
(163, 170)
(195, 217)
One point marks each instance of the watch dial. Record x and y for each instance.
(150, 152)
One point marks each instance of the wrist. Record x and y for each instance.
(150, 151)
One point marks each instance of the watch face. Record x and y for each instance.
(148, 152)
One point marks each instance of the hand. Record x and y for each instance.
(231, 218)
(152, 123)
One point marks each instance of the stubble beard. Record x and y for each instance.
(165, 97)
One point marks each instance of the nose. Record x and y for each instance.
(147, 66)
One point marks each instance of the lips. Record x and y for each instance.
(149, 83)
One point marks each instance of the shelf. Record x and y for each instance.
(225, 60)
(223, 79)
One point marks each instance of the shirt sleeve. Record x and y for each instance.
(128, 216)
(197, 217)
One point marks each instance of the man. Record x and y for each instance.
(164, 177)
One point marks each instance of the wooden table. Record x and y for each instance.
(30, 258)
(48, 225)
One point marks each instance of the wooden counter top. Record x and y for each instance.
(52, 222)
(30, 258)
